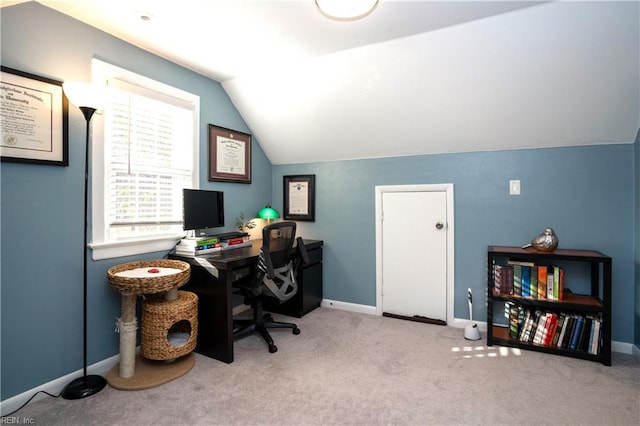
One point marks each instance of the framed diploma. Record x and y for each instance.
(229, 155)
(300, 197)
(33, 119)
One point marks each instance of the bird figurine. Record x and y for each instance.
(547, 241)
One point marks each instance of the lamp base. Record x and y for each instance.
(84, 386)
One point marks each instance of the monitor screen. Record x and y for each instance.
(202, 209)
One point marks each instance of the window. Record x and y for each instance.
(145, 150)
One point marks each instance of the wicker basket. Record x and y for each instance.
(149, 285)
(160, 316)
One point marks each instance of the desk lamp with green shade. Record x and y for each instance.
(268, 213)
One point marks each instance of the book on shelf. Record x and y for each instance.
(191, 247)
(198, 251)
(521, 276)
(550, 276)
(561, 284)
(566, 327)
(533, 282)
(208, 246)
(232, 235)
(237, 240)
(514, 320)
(198, 241)
(550, 329)
(576, 333)
(501, 279)
(558, 329)
(541, 325)
(542, 282)
(534, 327)
(235, 245)
(526, 324)
(595, 340)
(526, 280)
(517, 280)
(571, 327)
(583, 343)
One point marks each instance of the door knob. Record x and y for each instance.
(439, 225)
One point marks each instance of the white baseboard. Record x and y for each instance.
(623, 347)
(620, 347)
(346, 306)
(56, 386)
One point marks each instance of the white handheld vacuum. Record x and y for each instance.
(471, 331)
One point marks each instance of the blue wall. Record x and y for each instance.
(42, 206)
(584, 193)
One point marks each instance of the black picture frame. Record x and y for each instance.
(229, 155)
(299, 197)
(34, 128)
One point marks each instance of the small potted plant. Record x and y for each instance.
(243, 225)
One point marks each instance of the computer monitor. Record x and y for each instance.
(202, 209)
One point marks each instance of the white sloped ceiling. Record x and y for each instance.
(414, 77)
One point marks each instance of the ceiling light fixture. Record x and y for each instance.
(144, 16)
(346, 10)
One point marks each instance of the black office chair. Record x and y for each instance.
(274, 278)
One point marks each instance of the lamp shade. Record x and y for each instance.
(346, 10)
(83, 94)
(268, 213)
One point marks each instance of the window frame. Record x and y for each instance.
(102, 248)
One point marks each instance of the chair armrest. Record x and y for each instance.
(268, 263)
(302, 257)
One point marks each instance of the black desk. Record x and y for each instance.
(215, 306)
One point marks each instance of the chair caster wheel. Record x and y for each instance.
(296, 331)
(267, 317)
(273, 349)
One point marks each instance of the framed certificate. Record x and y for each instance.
(299, 197)
(229, 155)
(33, 119)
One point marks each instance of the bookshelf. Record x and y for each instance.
(594, 306)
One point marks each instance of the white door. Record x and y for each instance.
(414, 254)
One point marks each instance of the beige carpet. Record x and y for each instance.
(355, 369)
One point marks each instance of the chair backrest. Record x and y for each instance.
(278, 240)
(275, 265)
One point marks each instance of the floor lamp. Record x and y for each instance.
(89, 99)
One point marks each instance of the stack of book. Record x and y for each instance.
(562, 330)
(198, 246)
(212, 244)
(526, 279)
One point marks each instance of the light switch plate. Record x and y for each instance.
(514, 187)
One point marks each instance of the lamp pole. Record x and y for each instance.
(86, 385)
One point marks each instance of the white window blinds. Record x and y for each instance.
(145, 149)
(150, 149)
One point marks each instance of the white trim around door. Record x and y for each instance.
(448, 188)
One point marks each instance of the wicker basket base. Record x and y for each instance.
(150, 374)
(163, 319)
